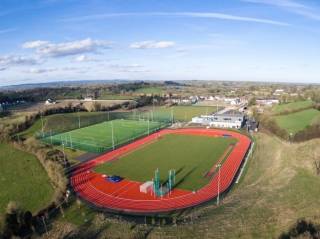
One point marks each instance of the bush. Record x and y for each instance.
(311, 132)
(272, 126)
(302, 229)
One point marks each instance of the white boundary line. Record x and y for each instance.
(245, 162)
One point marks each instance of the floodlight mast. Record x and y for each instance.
(112, 135)
(79, 120)
(42, 127)
(171, 115)
(149, 125)
(218, 197)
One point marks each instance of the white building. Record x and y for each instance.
(50, 102)
(278, 92)
(267, 101)
(225, 120)
(88, 99)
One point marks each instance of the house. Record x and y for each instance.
(232, 101)
(278, 92)
(50, 102)
(267, 101)
(88, 99)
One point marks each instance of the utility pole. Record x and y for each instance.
(218, 198)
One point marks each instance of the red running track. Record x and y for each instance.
(125, 196)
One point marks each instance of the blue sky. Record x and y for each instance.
(254, 40)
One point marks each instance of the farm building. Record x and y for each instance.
(225, 120)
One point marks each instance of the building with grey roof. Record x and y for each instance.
(232, 119)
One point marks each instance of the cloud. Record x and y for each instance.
(291, 6)
(3, 31)
(48, 49)
(84, 58)
(212, 15)
(132, 68)
(35, 44)
(41, 70)
(152, 44)
(15, 60)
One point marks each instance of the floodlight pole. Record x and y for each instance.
(218, 198)
(171, 115)
(70, 140)
(112, 136)
(41, 124)
(64, 155)
(79, 121)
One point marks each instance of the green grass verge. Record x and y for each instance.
(292, 106)
(78, 214)
(100, 135)
(298, 121)
(22, 180)
(191, 156)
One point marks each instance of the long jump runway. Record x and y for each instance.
(126, 197)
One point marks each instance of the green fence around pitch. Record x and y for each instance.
(94, 134)
(60, 123)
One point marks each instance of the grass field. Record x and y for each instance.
(298, 121)
(150, 90)
(191, 156)
(185, 113)
(98, 136)
(291, 106)
(22, 180)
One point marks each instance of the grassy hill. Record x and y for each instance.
(22, 180)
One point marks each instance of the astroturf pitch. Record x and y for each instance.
(191, 157)
(100, 135)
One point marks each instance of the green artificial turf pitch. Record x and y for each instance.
(100, 135)
(191, 156)
(298, 121)
(22, 180)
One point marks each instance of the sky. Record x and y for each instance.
(244, 40)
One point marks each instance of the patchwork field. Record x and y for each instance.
(98, 137)
(191, 156)
(292, 106)
(298, 121)
(23, 180)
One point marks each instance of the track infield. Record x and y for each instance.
(125, 196)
